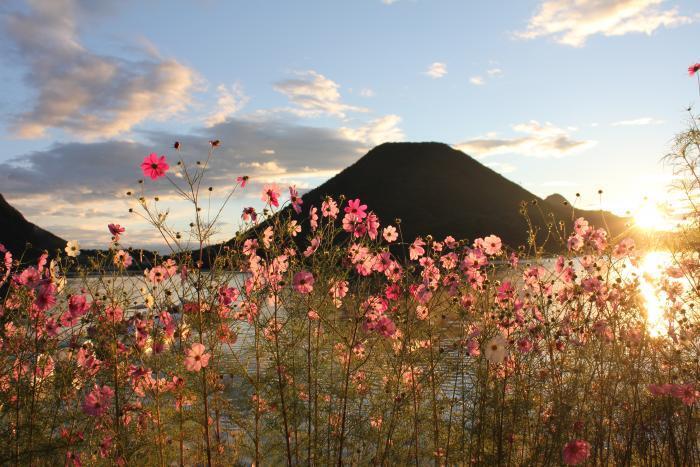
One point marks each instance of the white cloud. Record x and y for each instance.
(477, 80)
(501, 167)
(81, 91)
(538, 140)
(314, 95)
(376, 132)
(572, 22)
(389, 2)
(366, 92)
(231, 100)
(436, 70)
(638, 122)
(494, 72)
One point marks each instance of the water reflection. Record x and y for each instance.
(650, 269)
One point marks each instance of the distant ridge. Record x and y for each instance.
(16, 232)
(435, 189)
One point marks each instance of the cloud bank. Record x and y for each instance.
(81, 91)
(537, 140)
(572, 22)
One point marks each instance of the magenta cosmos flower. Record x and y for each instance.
(694, 68)
(154, 167)
(576, 451)
(98, 401)
(196, 359)
(303, 282)
(271, 194)
(116, 230)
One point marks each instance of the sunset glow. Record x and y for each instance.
(356, 232)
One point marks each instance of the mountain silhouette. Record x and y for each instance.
(16, 232)
(435, 189)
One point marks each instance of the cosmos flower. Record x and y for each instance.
(693, 69)
(295, 199)
(73, 248)
(492, 245)
(116, 230)
(329, 208)
(303, 282)
(154, 167)
(196, 358)
(98, 401)
(122, 259)
(495, 351)
(416, 249)
(576, 451)
(249, 214)
(356, 209)
(271, 194)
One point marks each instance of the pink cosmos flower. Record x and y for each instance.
(575, 242)
(268, 235)
(242, 180)
(249, 214)
(581, 226)
(625, 247)
(329, 208)
(303, 282)
(312, 315)
(576, 451)
(116, 230)
(295, 199)
(416, 249)
(524, 345)
(385, 326)
(78, 305)
(686, 393)
(694, 68)
(157, 274)
(271, 194)
(196, 358)
(492, 245)
(372, 225)
(313, 218)
(46, 297)
(154, 167)
(356, 209)
(311, 249)
(123, 259)
(98, 401)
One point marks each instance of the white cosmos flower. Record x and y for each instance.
(495, 351)
(73, 248)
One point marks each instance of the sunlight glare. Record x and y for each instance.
(650, 217)
(650, 269)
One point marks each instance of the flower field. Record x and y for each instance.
(320, 336)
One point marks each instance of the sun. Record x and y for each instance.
(650, 217)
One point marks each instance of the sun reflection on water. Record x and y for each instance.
(649, 270)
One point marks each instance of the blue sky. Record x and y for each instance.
(559, 95)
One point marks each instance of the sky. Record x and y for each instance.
(560, 96)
